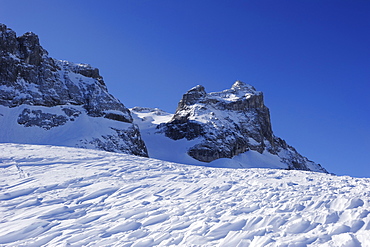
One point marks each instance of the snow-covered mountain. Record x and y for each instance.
(47, 101)
(231, 128)
(60, 196)
(52, 195)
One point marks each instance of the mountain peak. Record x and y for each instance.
(197, 88)
(192, 96)
(232, 123)
(239, 85)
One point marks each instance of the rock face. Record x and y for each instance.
(48, 94)
(229, 123)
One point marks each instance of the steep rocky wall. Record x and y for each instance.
(28, 76)
(229, 123)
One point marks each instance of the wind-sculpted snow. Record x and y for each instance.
(58, 196)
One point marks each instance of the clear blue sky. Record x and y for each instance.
(311, 58)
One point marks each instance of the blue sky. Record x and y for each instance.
(311, 59)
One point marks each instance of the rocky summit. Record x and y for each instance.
(230, 123)
(49, 101)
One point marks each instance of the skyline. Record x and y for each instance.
(309, 58)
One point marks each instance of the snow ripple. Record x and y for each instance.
(57, 196)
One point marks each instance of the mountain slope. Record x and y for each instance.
(61, 196)
(231, 128)
(48, 101)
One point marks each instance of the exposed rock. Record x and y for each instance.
(118, 141)
(71, 112)
(28, 76)
(229, 123)
(38, 118)
(30, 50)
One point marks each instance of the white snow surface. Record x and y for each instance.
(60, 196)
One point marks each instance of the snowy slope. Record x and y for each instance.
(59, 196)
(77, 131)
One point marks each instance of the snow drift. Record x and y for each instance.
(59, 196)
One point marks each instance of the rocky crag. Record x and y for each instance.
(230, 123)
(55, 100)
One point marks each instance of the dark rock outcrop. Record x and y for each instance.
(29, 77)
(229, 123)
(41, 119)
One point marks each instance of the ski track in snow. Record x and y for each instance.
(58, 196)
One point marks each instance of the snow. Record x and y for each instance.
(158, 145)
(60, 196)
(238, 91)
(79, 80)
(83, 128)
(251, 159)
(149, 116)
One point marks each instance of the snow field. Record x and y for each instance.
(59, 196)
